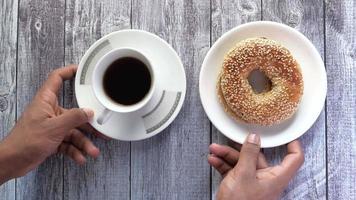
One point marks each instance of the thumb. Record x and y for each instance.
(73, 118)
(247, 163)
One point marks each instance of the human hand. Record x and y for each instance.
(46, 128)
(247, 174)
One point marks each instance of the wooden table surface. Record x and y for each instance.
(37, 36)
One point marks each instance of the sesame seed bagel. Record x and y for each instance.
(276, 62)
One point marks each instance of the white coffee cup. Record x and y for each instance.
(98, 88)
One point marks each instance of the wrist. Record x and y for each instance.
(6, 166)
(12, 163)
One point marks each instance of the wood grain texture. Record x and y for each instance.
(40, 50)
(8, 44)
(341, 98)
(109, 175)
(173, 165)
(307, 17)
(226, 14)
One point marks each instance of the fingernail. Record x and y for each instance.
(210, 155)
(253, 138)
(88, 112)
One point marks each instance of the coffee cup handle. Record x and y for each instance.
(104, 116)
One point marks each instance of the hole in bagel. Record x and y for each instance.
(259, 82)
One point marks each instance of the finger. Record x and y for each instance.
(262, 161)
(220, 165)
(72, 118)
(87, 128)
(55, 78)
(236, 145)
(248, 157)
(72, 152)
(227, 153)
(231, 156)
(292, 161)
(79, 140)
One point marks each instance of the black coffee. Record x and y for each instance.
(127, 81)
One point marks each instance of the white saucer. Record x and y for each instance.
(167, 99)
(312, 68)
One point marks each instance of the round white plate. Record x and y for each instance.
(167, 99)
(314, 77)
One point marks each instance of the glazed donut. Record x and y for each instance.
(272, 106)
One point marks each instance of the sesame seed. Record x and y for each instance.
(236, 94)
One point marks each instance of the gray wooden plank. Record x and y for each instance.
(40, 50)
(307, 17)
(108, 175)
(172, 165)
(226, 14)
(8, 42)
(341, 98)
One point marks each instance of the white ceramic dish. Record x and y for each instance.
(314, 76)
(166, 101)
